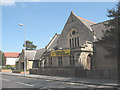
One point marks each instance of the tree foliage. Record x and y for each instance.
(111, 38)
(3, 60)
(29, 45)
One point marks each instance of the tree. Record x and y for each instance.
(111, 38)
(29, 45)
(3, 60)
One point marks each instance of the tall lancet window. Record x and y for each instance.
(73, 38)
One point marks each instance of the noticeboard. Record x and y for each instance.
(65, 52)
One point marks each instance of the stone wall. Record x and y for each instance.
(76, 72)
(101, 62)
(70, 72)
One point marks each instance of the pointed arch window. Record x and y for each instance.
(73, 37)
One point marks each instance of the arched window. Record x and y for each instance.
(73, 37)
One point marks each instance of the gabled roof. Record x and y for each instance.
(39, 53)
(53, 42)
(30, 54)
(86, 22)
(34, 54)
(11, 54)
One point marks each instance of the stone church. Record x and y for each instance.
(76, 38)
(75, 52)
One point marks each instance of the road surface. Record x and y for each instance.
(9, 81)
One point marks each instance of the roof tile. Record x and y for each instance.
(11, 54)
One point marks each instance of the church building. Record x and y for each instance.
(73, 47)
(76, 52)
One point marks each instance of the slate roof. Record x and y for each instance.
(34, 54)
(30, 54)
(39, 53)
(11, 54)
(86, 22)
(98, 29)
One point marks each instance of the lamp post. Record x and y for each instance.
(24, 48)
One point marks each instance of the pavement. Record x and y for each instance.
(89, 81)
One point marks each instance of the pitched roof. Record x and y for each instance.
(30, 54)
(11, 54)
(98, 29)
(86, 22)
(34, 54)
(39, 53)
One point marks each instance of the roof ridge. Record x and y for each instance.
(86, 20)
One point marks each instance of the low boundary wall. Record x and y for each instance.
(75, 72)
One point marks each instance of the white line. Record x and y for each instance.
(24, 84)
(70, 83)
(4, 79)
(49, 80)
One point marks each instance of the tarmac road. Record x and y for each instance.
(23, 82)
(9, 81)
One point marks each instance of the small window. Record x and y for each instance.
(59, 61)
(50, 61)
(73, 32)
(72, 61)
(78, 40)
(70, 42)
(45, 62)
(75, 42)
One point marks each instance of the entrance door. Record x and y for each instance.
(22, 65)
(89, 62)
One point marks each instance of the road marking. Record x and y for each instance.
(70, 83)
(4, 79)
(49, 80)
(24, 84)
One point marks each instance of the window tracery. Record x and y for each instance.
(73, 38)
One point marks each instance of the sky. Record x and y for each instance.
(43, 19)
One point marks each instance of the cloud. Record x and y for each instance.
(7, 2)
(12, 2)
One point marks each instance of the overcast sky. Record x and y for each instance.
(43, 20)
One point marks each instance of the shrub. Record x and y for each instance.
(8, 67)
